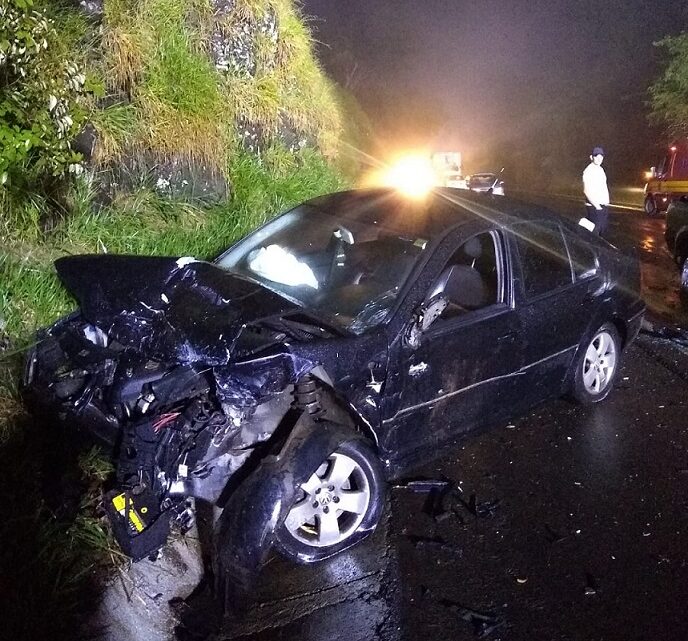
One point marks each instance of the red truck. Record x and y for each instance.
(669, 181)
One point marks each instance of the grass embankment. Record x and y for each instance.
(152, 92)
(157, 54)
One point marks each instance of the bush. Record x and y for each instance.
(669, 92)
(39, 89)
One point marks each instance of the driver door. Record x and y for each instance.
(462, 374)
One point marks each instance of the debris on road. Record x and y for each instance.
(483, 509)
(551, 535)
(445, 496)
(590, 585)
(483, 623)
(673, 334)
(425, 485)
(434, 543)
(438, 491)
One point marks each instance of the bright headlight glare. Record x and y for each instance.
(412, 175)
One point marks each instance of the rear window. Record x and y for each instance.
(583, 258)
(545, 262)
(482, 179)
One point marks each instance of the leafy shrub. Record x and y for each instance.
(39, 90)
(669, 92)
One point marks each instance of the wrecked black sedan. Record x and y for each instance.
(324, 354)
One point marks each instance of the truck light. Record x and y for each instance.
(411, 175)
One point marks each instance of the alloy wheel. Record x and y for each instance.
(331, 503)
(599, 363)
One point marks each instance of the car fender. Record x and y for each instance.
(605, 313)
(246, 529)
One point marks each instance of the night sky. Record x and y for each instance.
(531, 86)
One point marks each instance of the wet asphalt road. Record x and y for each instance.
(568, 524)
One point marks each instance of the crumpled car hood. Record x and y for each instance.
(170, 309)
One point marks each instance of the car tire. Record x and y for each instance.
(597, 365)
(650, 206)
(337, 507)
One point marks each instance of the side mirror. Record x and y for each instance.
(653, 172)
(343, 234)
(425, 316)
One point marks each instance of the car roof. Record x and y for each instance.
(443, 209)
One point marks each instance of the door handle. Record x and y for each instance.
(509, 336)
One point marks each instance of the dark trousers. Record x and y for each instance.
(598, 216)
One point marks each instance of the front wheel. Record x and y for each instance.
(338, 506)
(597, 366)
(650, 206)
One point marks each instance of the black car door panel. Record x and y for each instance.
(556, 299)
(462, 373)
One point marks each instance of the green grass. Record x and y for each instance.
(31, 295)
(178, 76)
(157, 52)
(117, 125)
(49, 559)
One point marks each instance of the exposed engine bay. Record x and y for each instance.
(175, 429)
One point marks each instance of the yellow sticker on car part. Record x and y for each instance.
(120, 503)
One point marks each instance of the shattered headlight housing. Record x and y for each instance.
(95, 335)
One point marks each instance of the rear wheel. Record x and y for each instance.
(597, 366)
(650, 206)
(339, 505)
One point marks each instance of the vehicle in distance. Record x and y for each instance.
(486, 182)
(317, 358)
(448, 169)
(669, 180)
(676, 235)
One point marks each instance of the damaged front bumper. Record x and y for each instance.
(71, 382)
(174, 431)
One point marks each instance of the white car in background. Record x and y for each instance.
(486, 182)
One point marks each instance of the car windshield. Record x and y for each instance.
(482, 179)
(343, 257)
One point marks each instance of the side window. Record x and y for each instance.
(544, 259)
(663, 166)
(470, 280)
(583, 258)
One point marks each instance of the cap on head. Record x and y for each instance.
(597, 151)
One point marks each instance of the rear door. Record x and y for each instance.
(557, 284)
